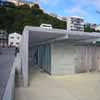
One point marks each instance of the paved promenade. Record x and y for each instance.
(6, 61)
(70, 87)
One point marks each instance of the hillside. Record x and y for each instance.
(13, 18)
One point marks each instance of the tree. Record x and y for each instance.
(15, 19)
(36, 6)
(25, 6)
(89, 29)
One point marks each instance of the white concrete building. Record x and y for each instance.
(75, 23)
(97, 28)
(14, 39)
(58, 51)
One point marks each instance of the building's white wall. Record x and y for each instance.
(14, 38)
(75, 23)
(64, 58)
(69, 59)
(97, 58)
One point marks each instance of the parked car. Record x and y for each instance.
(47, 26)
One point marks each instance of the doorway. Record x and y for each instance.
(40, 58)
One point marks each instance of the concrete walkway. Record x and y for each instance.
(70, 87)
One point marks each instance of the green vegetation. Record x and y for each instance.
(14, 19)
(89, 29)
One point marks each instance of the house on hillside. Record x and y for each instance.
(14, 39)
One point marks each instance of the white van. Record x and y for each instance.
(47, 26)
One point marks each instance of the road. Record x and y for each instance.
(6, 61)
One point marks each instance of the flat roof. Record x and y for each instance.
(83, 35)
(38, 35)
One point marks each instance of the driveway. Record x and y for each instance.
(69, 87)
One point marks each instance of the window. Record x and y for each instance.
(17, 43)
(11, 37)
(18, 37)
(11, 43)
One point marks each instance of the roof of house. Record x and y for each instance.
(38, 35)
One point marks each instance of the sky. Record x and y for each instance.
(83, 8)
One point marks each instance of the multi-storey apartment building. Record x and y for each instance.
(75, 23)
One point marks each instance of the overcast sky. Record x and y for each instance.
(84, 8)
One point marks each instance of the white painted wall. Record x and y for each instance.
(98, 58)
(14, 39)
(73, 22)
(69, 59)
(64, 58)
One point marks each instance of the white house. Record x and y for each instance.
(14, 39)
